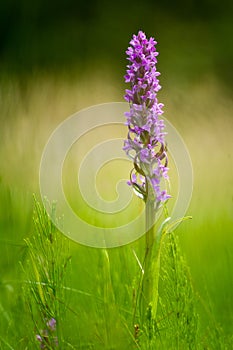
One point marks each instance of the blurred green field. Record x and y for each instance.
(30, 110)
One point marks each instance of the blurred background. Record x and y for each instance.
(194, 36)
(59, 57)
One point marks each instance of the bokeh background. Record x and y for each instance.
(59, 57)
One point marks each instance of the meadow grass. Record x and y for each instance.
(99, 295)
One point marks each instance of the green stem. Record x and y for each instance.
(108, 294)
(151, 266)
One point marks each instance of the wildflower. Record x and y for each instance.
(51, 324)
(46, 337)
(145, 143)
(40, 339)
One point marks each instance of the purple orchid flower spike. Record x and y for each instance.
(145, 143)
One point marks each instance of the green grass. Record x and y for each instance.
(100, 286)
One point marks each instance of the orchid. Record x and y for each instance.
(145, 143)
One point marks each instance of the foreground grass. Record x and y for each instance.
(94, 306)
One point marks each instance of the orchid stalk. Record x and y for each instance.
(145, 145)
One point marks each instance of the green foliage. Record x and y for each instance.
(48, 256)
(176, 322)
(177, 318)
(94, 309)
